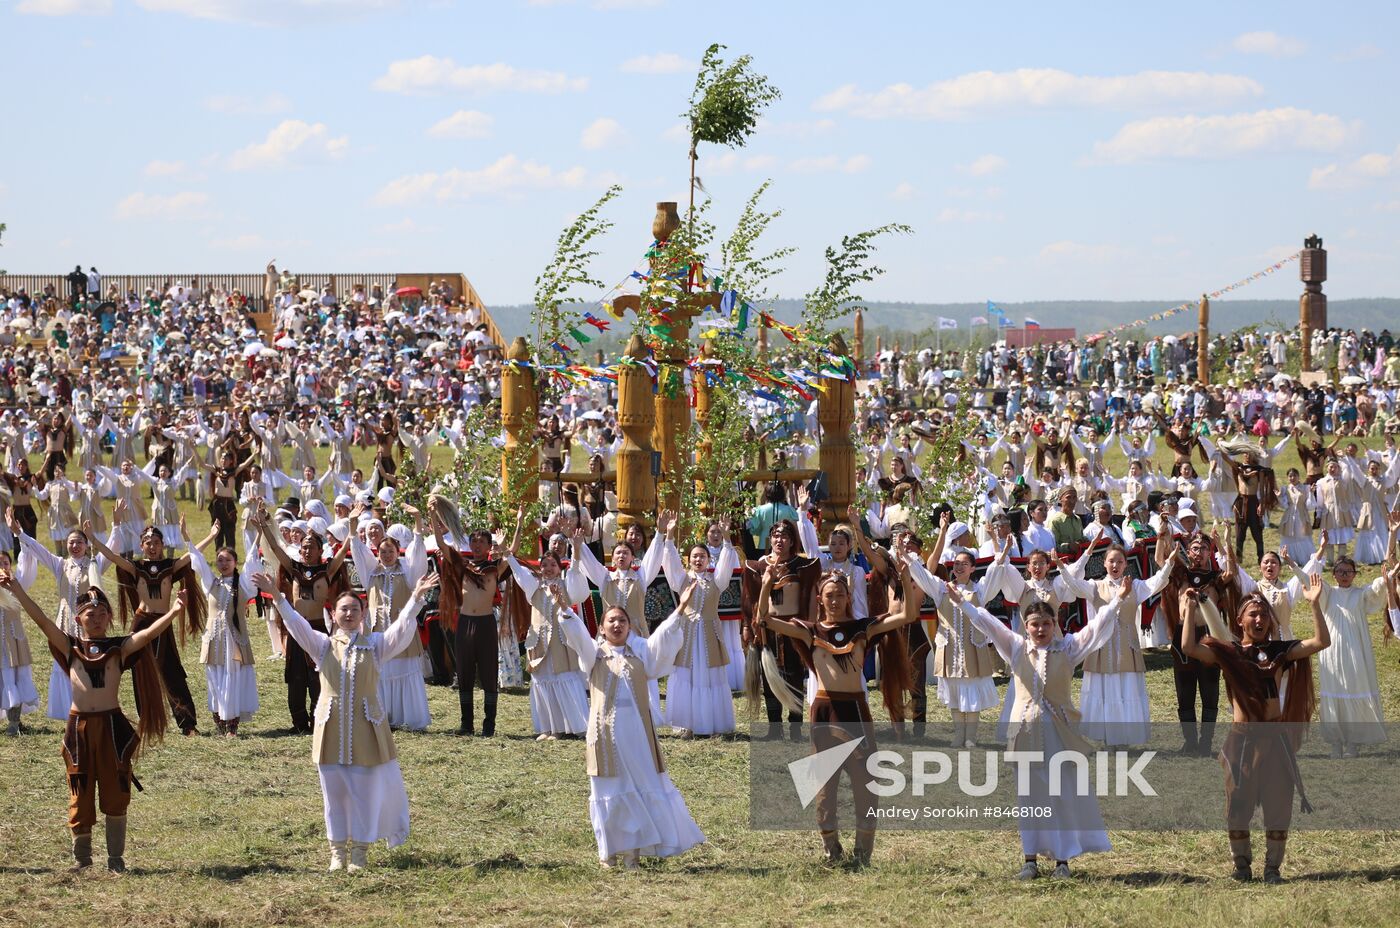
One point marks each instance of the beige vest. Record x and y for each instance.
(1043, 691)
(220, 633)
(352, 727)
(1283, 609)
(14, 644)
(626, 590)
(609, 671)
(962, 652)
(387, 593)
(1120, 654)
(549, 653)
(702, 619)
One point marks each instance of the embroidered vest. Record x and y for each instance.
(351, 725)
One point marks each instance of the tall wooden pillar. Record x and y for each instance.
(836, 413)
(1203, 341)
(704, 397)
(636, 416)
(1305, 331)
(672, 397)
(858, 328)
(519, 416)
(1312, 268)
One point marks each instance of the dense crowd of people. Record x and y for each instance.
(1057, 558)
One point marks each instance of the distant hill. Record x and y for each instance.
(1086, 316)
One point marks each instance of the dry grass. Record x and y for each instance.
(230, 833)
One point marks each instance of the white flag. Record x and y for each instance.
(944, 323)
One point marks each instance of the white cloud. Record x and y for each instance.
(904, 191)
(506, 177)
(463, 124)
(1169, 137)
(732, 161)
(1080, 252)
(679, 132)
(949, 214)
(405, 224)
(1369, 167)
(430, 73)
(1268, 43)
(600, 133)
(248, 241)
(269, 12)
(291, 141)
(64, 7)
(828, 163)
(968, 94)
(798, 129)
(1363, 52)
(188, 204)
(239, 105)
(164, 168)
(663, 63)
(984, 165)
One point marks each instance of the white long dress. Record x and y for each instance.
(72, 577)
(232, 684)
(637, 808)
(362, 802)
(558, 697)
(1079, 827)
(1114, 702)
(1295, 526)
(16, 662)
(698, 696)
(1348, 694)
(401, 686)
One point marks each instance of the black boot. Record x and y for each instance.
(488, 724)
(468, 726)
(1189, 743)
(1207, 735)
(795, 731)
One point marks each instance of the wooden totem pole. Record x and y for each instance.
(519, 403)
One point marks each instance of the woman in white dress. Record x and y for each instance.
(1338, 504)
(362, 786)
(962, 659)
(1375, 486)
(389, 578)
(82, 568)
(1295, 526)
(634, 807)
(698, 698)
(58, 494)
(17, 694)
(1349, 699)
(1114, 695)
(1039, 586)
(1045, 720)
(558, 700)
(225, 649)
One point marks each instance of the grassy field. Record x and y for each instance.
(229, 832)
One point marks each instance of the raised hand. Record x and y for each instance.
(265, 583)
(425, 583)
(1313, 591)
(687, 596)
(1125, 589)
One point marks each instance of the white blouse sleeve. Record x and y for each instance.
(313, 642)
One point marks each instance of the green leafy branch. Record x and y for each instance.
(566, 274)
(725, 104)
(847, 267)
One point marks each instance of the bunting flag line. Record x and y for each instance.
(1183, 307)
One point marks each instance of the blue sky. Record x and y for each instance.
(1040, 151)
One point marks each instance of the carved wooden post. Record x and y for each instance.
(1305, 330)
(636, 416)
(859, 329)
(1203, 341)
(836, 413)
(704, 395)
(518, 414)
(672, 399)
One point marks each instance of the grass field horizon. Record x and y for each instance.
(230, 832)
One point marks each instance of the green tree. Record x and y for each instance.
(725, 105)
